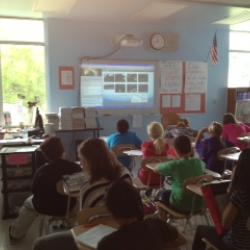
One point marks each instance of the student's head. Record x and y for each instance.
(183, 123)
(124, 201)
(52, 148)
(241, 179)
(182, 145)
(229, 118)
(215, 128)
(156, 133)
(122, 126)
(98, 160)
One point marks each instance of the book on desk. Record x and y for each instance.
(93, 236)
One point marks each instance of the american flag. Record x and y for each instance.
(214, 51)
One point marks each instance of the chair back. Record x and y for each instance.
(216, 197)
(94, 215)
(169, 118)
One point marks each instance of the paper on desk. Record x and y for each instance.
(133, 152)
(92, 237)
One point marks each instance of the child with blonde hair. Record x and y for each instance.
(156, 147)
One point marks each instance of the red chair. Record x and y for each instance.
(216, 197)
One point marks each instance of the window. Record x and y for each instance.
(22, 80)
(239, 55)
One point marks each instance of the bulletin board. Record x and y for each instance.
(183, 86)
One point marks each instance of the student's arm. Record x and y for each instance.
(166, 168)
(200, 135)
(229, 215)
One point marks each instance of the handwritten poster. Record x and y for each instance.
(196, 75)
(171, 74)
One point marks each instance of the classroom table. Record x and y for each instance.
(230, 156)
(134, 154)
(154, 166)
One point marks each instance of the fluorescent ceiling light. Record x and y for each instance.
(62, 6)
(235, 19)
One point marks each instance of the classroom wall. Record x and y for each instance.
(68, 40)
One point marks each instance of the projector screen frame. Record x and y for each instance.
(137, 110)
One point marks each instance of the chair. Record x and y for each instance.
(215, 196)
(94, 215)
(151, 173)
(169, 119)
(168, 214)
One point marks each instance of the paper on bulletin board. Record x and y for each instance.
(176, 101)
(137, 121)
(171, 73)
(193, 102)
(196, 74)
(166, 101)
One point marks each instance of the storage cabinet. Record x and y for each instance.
(18, 166)
(235, 95)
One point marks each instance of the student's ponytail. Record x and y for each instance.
(159, 145)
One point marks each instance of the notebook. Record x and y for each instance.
(74, 182)
(92, 237)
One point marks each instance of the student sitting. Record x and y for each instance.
(181, 169)
(208, 148)
(156, 147)
(236, 215)
(232, 130)
(45, 198)
(125, 138)
(181, 128)
(103, 169)
(134, 232)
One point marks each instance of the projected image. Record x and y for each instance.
(120, 78)
(109, 86)
(119, 88)
(132, 88)
(109, 77)
(143, 78)
(132, 78)
(143, 88)
(91, 72)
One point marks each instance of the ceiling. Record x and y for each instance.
(153, 11)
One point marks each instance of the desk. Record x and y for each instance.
(83, 228)
(231, 156)
(20, 142)
(24, 179)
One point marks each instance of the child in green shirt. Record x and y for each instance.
(181, 169)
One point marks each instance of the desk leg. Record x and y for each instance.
(6, 208)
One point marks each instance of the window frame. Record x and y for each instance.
(14, 42)
(232, 30)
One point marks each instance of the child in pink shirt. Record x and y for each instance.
(232, 130)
